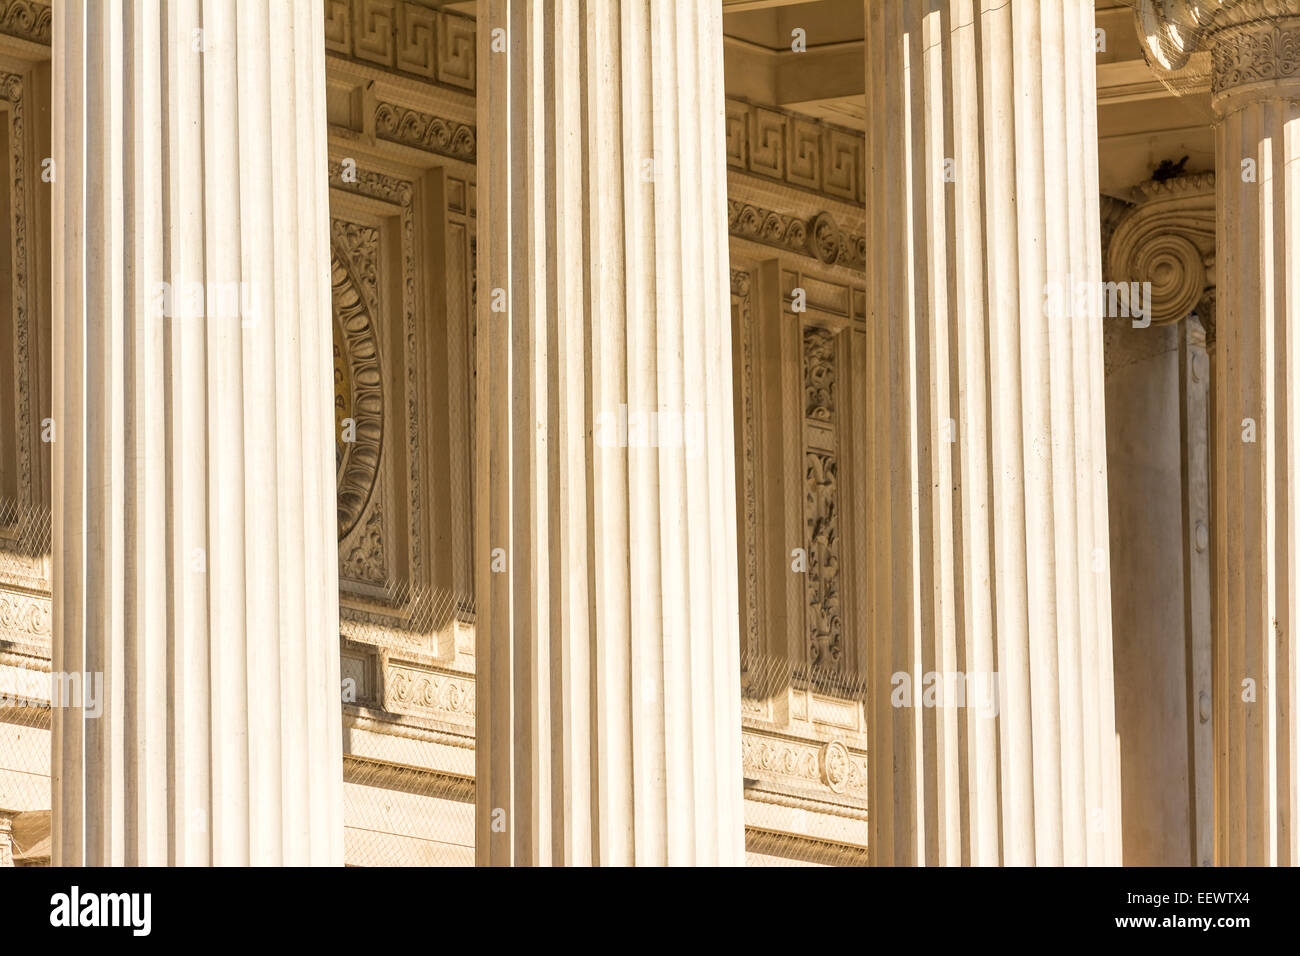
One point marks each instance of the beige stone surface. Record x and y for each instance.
(653, 677)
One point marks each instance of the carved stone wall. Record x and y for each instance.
(798, 320)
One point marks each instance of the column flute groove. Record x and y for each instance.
(989, 483)
(195, 536)
(609, 706)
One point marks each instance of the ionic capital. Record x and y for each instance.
(1254, 45)
(1167, 239)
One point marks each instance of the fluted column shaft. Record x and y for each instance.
(608, 630)
(194, 519)
(1256, 97)
(989, 483)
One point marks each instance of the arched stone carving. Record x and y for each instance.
(358, 380)
(1167, 239)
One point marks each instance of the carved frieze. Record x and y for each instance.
(821, 509)
(412, 689)
(1255, 52)
(365, 560)
(795, 150)
(433, 134)
(27, 20)
(25, 614)
(404, 36)
(830, 765)
(819, 237)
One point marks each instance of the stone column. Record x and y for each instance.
(989, 487)
(608, 628)
(1256, 98)
(1157, 391)
(194, 515)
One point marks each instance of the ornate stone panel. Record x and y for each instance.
(404, 36)
(358, 376)
(818, 237)
(433, 134)
(821, 492)
(795, 150)
(376, 376)
(26, 19)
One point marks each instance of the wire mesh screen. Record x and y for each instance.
(408, 731)
(25, 684)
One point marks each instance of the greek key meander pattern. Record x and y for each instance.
(404, 36)
(797, 151)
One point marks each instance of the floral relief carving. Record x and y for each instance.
(818, 238)
(796, 150)
(1254, 53)
(27, 20)
(401, 193)
(433, 134)
(25, 615)
(823, 577)
(417, 689)
(831, 765)
(365, 561)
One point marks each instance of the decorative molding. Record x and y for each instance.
(1168, 239)
(409, 688)
(826, 765)
(25, 614)
(825, 626)
(1261, 51)
(433, 134)
(818, 237)
(741, 301)
(1253, 45)
(837, 767)
(819, 374)
(401, 193)
(404, 36)
(821, 502)
(365, 561)
(358, 379)
(11, 89)
(27, 20)
(795, 150)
